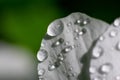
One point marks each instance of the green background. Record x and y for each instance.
(24, 22)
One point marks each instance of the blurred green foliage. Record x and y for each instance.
(24, 22)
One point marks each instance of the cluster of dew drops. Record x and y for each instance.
(54, 30)
(98, 51)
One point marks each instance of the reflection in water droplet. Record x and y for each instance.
(58, 42)
(97, 52)
(113, 33)
(118, 46)
(42, 55)
(55, 28)
(92, 70)
(105, 68)
(82, 22)
(41, 72)
(83, 31)
(67, 49)
(60, 57)
(101, 38)
(51, 67)
(117, 22)
(76, 31)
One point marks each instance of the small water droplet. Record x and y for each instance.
(67, 49)
(60, 57)
(73, 46)
(76, 31)
(70, 69)
(105, 68)
(51, 67)
(101, 38)
(58, 42)
(113, 33)
(97, 52)
(41, 72)
(76, 38)
(69, 24)
(118, 46)
(42, 55)
(92, 70)
(67, 43)
(55, 28)
(117, 22)
(82, 22)
(74, 74)
(83, 31)
(85, 22)
(117, 78)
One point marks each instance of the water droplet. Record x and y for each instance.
(92, 70)
(97, 52)
(83, 31)
(69, 24)
(67, 49)
(55, 28)
(76, 38)
(74, 74)
(67, 43)
(117, 22)
(51, 67)
(101, 38)
(58, 42)
(105, 68)
(76, 31)
(73, 46)
(113, 33)
(60, 57)
(117, 78)
(70, 69)
(118, 46)
(42, 55)
(82, 22)
(41, 72)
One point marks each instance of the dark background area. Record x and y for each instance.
(24, 22)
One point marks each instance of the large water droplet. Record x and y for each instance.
(97, 52)
(113, 33)
(55, 28)
(41, 72)
(92, 70)
(67, 49)
(118, 46)
(42, 55)
(117, 22)
(105, 68)
(51, 67)
(58, 42)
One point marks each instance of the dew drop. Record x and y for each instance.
(58, 42)
(101, 38)
(82, 22)
(76, 31)
(83, 31)
(118, 46)
(97, 52)
(67, 43)
(117, 22)
(69, 24)
(42, 55)
(51, 67)
(92, 70)
(105, 68)
(55, 28)
(67, 49)
(41, 72)
(113, 33)
(70, 69)
(60, 57)
(76, 38)
(85, 22)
